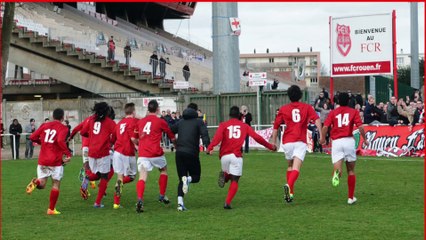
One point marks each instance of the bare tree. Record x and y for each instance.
(6, 32)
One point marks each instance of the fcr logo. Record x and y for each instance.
(344, 42)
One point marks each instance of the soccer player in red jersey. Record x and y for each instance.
(342, 121)
(52, 136)
(296, 116)
(148, 135)
(124, 160)
(232, 134)
(100, 130)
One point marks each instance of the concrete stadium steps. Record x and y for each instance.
(113, 76)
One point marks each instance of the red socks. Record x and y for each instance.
(162, 183)
(288, 174)
(351, 186)
(116, 199)
(54, 194)
(102, 189)
(127, 179)
(140, 188)
(292, 179)
(233, 188)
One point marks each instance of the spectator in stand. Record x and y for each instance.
(127, 53)
(417, 96)
(417, 112)
(381, 114)
(352, 100)
(163, 63)
(392, 112)
(153, 61)
(245, 73)
(245, 117)
(274, 85)
(326, 95)
(111, 49)
(186, 72)
(336, 97)
(403, 112)
(358, 99)
(29, 147)
(324, 111)
(15, 129)
(370, 112)
(320, 100)
(178, 116)
(361, 112)
(421, 109)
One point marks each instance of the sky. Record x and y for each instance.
(283, 27)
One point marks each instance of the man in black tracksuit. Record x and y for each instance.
(189, 131)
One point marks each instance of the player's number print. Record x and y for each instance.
(122, 128)
(234, 132)
(295, 115)
(50, 135)
(97, 128)
(342, 121)
(147, 128)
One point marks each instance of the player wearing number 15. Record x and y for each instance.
(342, 121)
(296, 116)
(232, 134)
(147, 135)
(100, 130)
(52, 137)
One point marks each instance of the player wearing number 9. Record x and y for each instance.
(296, 116)
(342, 121)
(52, 137)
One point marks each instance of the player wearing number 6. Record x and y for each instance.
(296, 116)
(342, 121)
(147, 135)
(52, 137)
(232, 134)
(100, 129)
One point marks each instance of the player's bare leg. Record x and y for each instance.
(289, 168)
(38, 183)
(54, 195)
(140, 188)
(294, 174)
(233, 188)
(350, 166)
(337, 173)
(162, 183)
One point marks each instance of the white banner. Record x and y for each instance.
(235, 26)
(257, 82)
(180, 85)
(260, 75)
(361, 45)
(265, 133)
(146, 101)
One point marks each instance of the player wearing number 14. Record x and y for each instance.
(52, 137)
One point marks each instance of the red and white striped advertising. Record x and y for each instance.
(361, 45)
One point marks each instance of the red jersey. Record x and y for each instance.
(295, 116)
(84, 140)
(149, 130)
(342, 121)
(124, 131)
(101, 136)
(232, 134)
(52, 136)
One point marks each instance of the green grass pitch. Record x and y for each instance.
(389, 192)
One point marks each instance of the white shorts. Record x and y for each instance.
(294, 149)
(85, 154)
(101, 165)
(149, 163)
(232, 164)
(343, 148)
(125, 165)
(56, 172)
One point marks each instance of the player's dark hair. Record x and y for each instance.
(101, 110)
(152, 106)
(193, 106)
(294, 93)
(343, 99)
(234, 112)
(58, 114)
(111, 113)
(129, 108)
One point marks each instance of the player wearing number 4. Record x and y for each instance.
(296, 116)
(52, 137)
(100, 129)
(232, 134)
(124, 161)
(342, 121)
(147, 135)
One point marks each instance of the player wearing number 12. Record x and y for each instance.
(100, 129)
(342, 120)
(148, 135)
(296, 116)
(52, 137)
(232, 134)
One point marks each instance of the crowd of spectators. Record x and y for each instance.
(403, 111)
